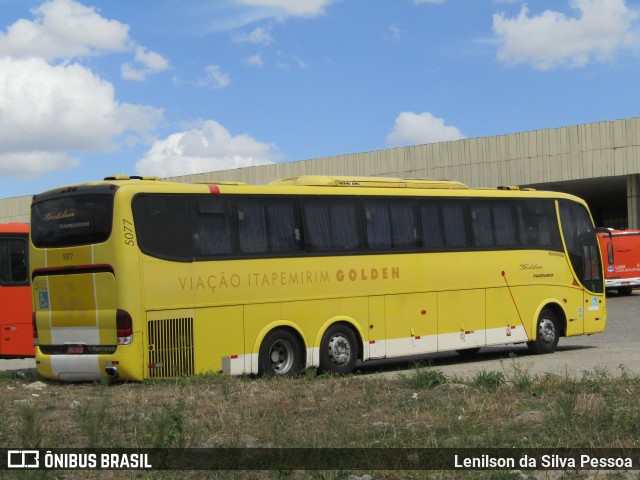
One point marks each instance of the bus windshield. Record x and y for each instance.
(80, 219)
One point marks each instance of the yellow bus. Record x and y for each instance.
(135, 277)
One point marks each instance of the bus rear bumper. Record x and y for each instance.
(70, 368)
(623, 282)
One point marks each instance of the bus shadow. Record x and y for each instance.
(443, 359)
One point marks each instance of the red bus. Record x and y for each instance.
(621, 257)
(16, 324)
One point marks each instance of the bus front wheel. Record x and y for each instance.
(280, 354)
(338, 350)
(547, 333)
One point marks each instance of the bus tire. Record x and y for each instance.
(338, 350)
(624, 291)
(547, 333)
(280, 354)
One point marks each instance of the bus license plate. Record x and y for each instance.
(75, 349)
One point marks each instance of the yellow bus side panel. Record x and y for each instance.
(218, 332)
(461, 319)
(376, 330)
(411, 323)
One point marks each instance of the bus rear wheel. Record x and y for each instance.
(280, 354)
(547, 333)
(338, 350)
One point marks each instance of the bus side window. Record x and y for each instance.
(285, 226)
(18, 258)
(404, 225)
(455, 231)
(267, 225)
(506, 234)
(5, 265)
(162, 226)
(481, 224)
(376, 216)
(212, 228)
(535, 224)
(391, 224)
(332, 225)
(252, 227)
(432, 231)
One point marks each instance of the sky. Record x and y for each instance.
(90, 88)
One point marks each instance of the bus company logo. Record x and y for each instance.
(60, 215)
(23, 459)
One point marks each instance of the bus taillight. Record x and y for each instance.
(35, 329)
(124, 325)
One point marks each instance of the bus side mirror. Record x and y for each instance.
(610, 253)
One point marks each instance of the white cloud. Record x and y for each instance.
(149, 63)
(257, 36)
(209, 147)
(394, 34)
(301, 8)
(57, 109)
(64, 29)
(414, 129)
(254, 60)
(552, 39)
(215, 78)
(290, 61)
(34, 163)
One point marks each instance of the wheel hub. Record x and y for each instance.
(339, 350)
(547, 330)
(281, 355)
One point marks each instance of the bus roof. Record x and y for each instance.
(319, 184)
(612, 232)
(385, 182)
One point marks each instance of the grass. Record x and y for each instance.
(420, 409)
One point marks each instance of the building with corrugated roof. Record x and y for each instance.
(599, 162)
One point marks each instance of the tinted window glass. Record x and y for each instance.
(537, 224)
(453, 219)
(212, 231)
(481, 224)
(285, 227)
(268, 225)
(378, 225)
(252, 227)
(576, 224)
(163, 228)
(504, 224)
(71, 220)
(13, 261)
(332, 225)
(432, 232)
(391, 224)
(404, 228)
(592, 277)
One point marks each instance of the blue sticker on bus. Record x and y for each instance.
(43, 300)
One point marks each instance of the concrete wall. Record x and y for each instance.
(15, 209)
(542, 156)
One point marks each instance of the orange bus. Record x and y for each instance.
(16, 324)
(621, 257)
